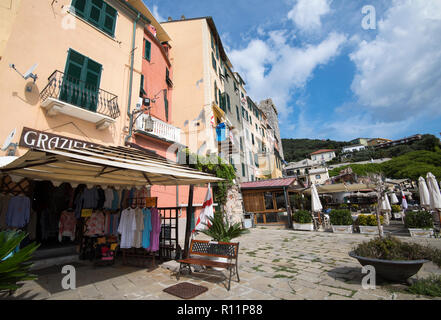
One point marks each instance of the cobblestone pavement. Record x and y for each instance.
(274, 264)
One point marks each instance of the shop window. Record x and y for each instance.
(272, 217)
(280, 200)
(269, 205)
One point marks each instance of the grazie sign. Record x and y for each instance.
(31, 138)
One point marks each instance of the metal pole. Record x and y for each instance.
(188, 221)
(288, 208)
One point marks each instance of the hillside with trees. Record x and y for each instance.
(299, 149)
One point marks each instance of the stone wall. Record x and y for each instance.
(234, 207)
(270, 110)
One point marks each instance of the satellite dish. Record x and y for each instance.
(29, 73)
(9, 140)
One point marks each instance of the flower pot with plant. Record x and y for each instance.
(220, 230)
(368, 223)
(341, 221)
(419, 223)
(393, 259)
(396, 211)
(302, 220)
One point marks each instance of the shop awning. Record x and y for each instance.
(112, 166)
(342, 187)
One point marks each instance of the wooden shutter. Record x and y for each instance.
(109, 20)
(80, 7)
(147, 49)
(166, 105)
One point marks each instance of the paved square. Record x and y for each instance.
(274, 263)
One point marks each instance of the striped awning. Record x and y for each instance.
(111, 166)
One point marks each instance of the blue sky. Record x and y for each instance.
(329, 77)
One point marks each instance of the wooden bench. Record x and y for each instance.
(206, 249)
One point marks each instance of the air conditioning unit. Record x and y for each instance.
(146, 102)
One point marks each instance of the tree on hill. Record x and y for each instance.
(299, 149)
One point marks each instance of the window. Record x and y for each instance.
(280, 201)
(98, 13)
(269, 205)
(241, 144)
(81, 81)
(215, 93)
(228, 102)
(147, 49)
(141, 89)
(252, 138)
(213, 62)
(237, 113)
(318, 176)
(256, 160)
(212, 41)
(251, 157)
(217, 51)
(243, 170)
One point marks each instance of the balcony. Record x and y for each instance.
(161, 129)
(70, 96)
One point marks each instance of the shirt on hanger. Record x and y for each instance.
(147, 228)
(156, 230)
(67, 225)
(95, 224)
(125, 228)
(18, 212)
(138, 227)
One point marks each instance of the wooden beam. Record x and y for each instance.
(147, 178)
(188, 222)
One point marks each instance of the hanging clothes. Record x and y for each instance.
(138, 227)
(31, 228)
(147, 227)
(90, 198)
(4, 202)
(95, 224)
(115, 200)
(156, 230)
(141, 194)
(101, 198)
(125, 227)
(18, 213)
(67, 225)
(221, 132)
(108, 203)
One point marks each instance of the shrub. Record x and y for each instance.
(419, 219)
(341, 218)
(302, 216)
(343, 206)
(355, 207)
(391, 248)
(396, 208)
(369, 220)
(428, 287)
(220, 230)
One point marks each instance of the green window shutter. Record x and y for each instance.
(109, 20)
(166, 105)
(215, 93)
(96, 6)
(213, 62)
(147, 49)
(80, 7)
(243, 170)
(228, 103)
(82, 77)
(217, 51)
(252, 138)
(212, 41)
(237, 113)
(98, 13)
(141, 89)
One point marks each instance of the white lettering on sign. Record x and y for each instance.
(41, 140)
(31, 143)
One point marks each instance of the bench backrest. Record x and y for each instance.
(228, 250)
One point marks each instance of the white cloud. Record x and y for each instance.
(156, 14)
(307, 14)
(273, 68)
(399, 72)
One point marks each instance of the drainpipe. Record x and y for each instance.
(132, 58)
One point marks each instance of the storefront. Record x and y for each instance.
(86, 195)
(268, 200)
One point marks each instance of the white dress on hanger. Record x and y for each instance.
(126, 229)
(138, 227)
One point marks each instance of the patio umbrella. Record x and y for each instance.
(384, 204)
(403, 201)
(424, 193)
(434, 193)
(316, 205)
(393, 198)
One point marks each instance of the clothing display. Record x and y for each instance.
(140, 196)
(147, 227)
(108, 194)
(156, 230)
(18, 213)
(125, 228)
(4, 201)
(115, 199)
(221, 132)
(95, 224)
(67, 225)
(138, 227)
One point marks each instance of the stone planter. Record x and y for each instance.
(369, 229)
(420, 233)
(342, 229)
(392, 270)
(303, 226)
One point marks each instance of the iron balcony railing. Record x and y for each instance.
(81, 94)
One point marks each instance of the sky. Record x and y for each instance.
(335, 69)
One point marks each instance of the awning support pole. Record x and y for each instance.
(188, 221)
(288, 208)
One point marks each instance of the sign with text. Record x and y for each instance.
(31, 138)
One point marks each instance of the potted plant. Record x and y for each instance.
(368, 223)
(341, 221)
(302, 220)
(419, 223)
(355, 207)
(220, 230)
(393, 259)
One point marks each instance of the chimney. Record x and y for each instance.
(169, 19)
(182, 17)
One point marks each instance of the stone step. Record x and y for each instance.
(54, 252)
(54, 261)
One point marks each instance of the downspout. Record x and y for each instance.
(132, 58)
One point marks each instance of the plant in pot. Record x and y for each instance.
(393, 259)
(355, 207)
(420, 224)
(368, 223)
(220, 230)
(341, 221)
(302, 220)
(396, 211)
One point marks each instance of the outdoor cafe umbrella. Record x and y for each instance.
(316, 205)
(424, 193)
(393, 198)
(384, 204)
(434, 193)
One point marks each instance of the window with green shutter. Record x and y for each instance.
(213, 62)
(228, 103)
(215, 93)
(81, 81)
(97, 12)
(166, 105)
(243, 170)
(237, 113)
(147, 49)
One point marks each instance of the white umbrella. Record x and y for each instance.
(384, 204)
(435, 195)
(316, 205)
(403, 201)
(424, 193)
(393, 198)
